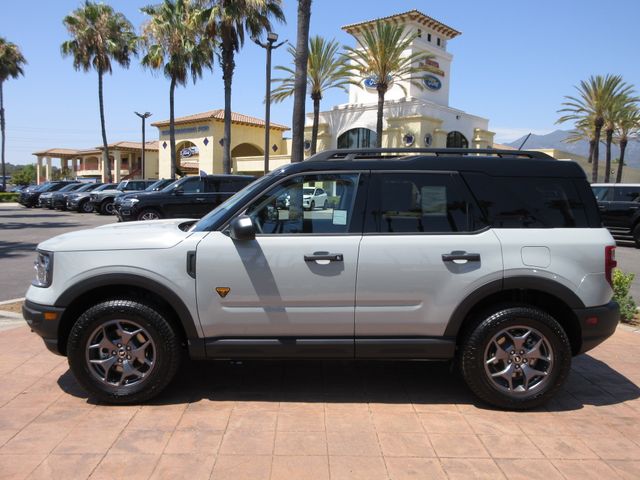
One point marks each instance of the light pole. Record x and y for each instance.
(269, 46)
(143, 116)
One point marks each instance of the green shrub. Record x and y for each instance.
(621, 285)
(8, 197)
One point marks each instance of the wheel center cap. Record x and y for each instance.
(122, 353)
(517, 359)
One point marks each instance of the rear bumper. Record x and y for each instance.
(597, 324)
(34, 314)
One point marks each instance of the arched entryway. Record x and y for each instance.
(457, 140)
(187, 158)
(246, 150)
(357, 138)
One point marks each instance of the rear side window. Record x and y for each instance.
(420, 203)
(626, 194)
(529, 202)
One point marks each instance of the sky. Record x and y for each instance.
(513, 64)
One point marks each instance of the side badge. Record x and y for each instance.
(223, 291)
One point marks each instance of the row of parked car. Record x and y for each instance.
(190, 197)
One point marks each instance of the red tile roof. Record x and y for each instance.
(415, 15)
(218, 114)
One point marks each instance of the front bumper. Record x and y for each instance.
(127, 213)
(597, 324)
(44, 325)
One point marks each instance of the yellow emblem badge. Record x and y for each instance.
(223, 291)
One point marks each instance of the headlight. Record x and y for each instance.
(44, 269)
(130, 201)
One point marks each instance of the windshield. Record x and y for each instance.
(175, 184)
(155, 186)
(215, 215)
(69, 187)
(42, 188)
(307, 191)
(121, 185)
(106, 186)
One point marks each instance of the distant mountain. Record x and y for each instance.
(557, 139)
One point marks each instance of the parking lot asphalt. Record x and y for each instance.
(21, 229)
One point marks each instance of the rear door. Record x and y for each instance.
(623, 208)
(604, 196)
(425, 248)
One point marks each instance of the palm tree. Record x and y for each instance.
(615, 109)
(300, 82)
(583, 130)
(100, 35)
(325, 70)
(174, 41)
(594, 97)
(380, 55)
(628, 125)
(228, 20)
(11, 63)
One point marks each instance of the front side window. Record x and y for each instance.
(626, 194)
(420, 203)
(602, 194)
(292, 208)
(191, 185)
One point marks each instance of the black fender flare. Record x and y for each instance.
(133, 280)
(544, 285)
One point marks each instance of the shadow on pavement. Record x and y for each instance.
(592, 382)
(16, 249)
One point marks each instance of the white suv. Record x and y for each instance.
(496, 260)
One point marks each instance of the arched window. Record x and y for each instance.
(357, 138)
(457, 140)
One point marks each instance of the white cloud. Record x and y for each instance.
(507, 134)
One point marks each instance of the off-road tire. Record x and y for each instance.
(477, 338)
(167, 350)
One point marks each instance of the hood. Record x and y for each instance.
(141, 194)
(147, 235)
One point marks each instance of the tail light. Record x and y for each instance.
(609, 263)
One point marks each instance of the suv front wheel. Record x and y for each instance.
(516, 357)
(123, 351)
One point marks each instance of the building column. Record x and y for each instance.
(47, 175)
(440, 138)
(117, 164)
(64, 164)
(38, 169)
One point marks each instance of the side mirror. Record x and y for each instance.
(242, 229)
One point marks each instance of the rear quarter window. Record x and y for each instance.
(529, 202)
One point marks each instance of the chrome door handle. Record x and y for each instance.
(453, 256)
(332, 257)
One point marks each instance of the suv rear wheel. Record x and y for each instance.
(106, 207)
(516, 358)
(123, 351)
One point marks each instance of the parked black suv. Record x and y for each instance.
(189, 197)
(619, 206)
(59, 199)
(46, 199)
(79, 201)
(30, 197)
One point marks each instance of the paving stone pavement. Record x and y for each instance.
(317, 420)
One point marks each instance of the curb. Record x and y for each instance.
(15, 300)
(10, 315)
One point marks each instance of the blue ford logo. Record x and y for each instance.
(431, 82)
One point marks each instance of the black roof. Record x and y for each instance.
(489, 161)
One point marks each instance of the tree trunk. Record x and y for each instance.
(172, 129)
(4, 173)
(607, 162)
(381, 93)
(596, 149)
(105, 147)
(300, 81)
(316, 118)
(228, 66)
(592, 144)
(623, 147)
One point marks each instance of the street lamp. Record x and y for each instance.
(269, 46)
(143, 116)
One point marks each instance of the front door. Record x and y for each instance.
(425, 248)
(291, 291)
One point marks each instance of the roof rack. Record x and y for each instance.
(369, 153)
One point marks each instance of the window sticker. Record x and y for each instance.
(339, 217)
(434, 200)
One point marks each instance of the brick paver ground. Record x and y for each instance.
(317, 420)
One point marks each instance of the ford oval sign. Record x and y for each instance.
(431, 82)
